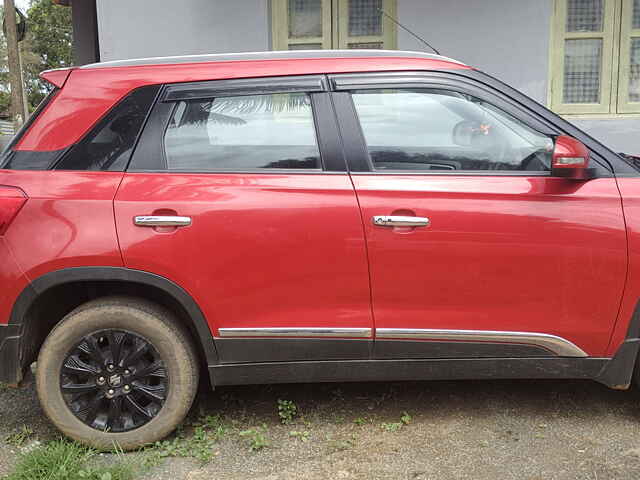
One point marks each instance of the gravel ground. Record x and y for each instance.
(458, 430)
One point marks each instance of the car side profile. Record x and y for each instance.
(304, 217)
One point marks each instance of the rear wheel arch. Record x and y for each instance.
(47, 299)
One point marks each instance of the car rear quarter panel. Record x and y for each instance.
(12, 280)
(66, 222)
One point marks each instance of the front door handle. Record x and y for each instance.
(161, 221)
(400, 221)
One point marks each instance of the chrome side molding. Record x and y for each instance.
(296, 332)
(558, 345)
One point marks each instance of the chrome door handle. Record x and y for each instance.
(161, 221)
(400, 221)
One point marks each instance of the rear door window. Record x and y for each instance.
(238, 133)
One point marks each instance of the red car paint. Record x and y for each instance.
(533, 254)
(501, 253)
(630, 194)
(260, 251)
(67, 221)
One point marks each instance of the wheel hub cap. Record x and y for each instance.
(115, 380)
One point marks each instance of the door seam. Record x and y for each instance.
(115, 222)
(364, 233)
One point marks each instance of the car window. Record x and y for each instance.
(243, 132)
(422, 130)
(110, 144)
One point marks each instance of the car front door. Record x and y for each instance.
(474, 249)
(243, 200)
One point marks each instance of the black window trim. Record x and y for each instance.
(332, 159)
(99, 124)
(244, 86)
(359, 161)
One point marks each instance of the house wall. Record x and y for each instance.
(505, 38)
(153, 28)
(619, 134)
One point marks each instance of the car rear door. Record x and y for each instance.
(475, 250)
(238, 193)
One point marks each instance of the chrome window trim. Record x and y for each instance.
(246, 171)
(461, 173)
(558, 345)
(295, 332)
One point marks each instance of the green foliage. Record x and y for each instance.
(302, 436)
(19, 437)
(200, 444)
(48, 44)
(405, 418)
(65, 460)
(257, 437)
(391, 427)
(51, 33)
(287, 410)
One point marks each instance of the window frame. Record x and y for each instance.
(615, 68)
(355, 144)
(335, 19)
(149, 155)
(608, 87)
(280, 26)
(627, 33)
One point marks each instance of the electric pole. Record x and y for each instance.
(18, 106)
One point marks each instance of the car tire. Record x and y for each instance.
(137, 400)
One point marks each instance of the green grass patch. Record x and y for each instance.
(257, 437)
(200, 443)
(19, 437)
(65, 460)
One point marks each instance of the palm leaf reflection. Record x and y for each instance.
(230, 110)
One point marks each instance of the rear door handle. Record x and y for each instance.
(400, 221)
(161, 221)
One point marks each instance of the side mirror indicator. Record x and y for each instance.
(570, 159)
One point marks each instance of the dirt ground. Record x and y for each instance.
(525, 430)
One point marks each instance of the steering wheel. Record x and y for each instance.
(541, 157)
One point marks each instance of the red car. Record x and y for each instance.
(304, 217)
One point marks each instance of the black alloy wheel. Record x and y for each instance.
(114, 380)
